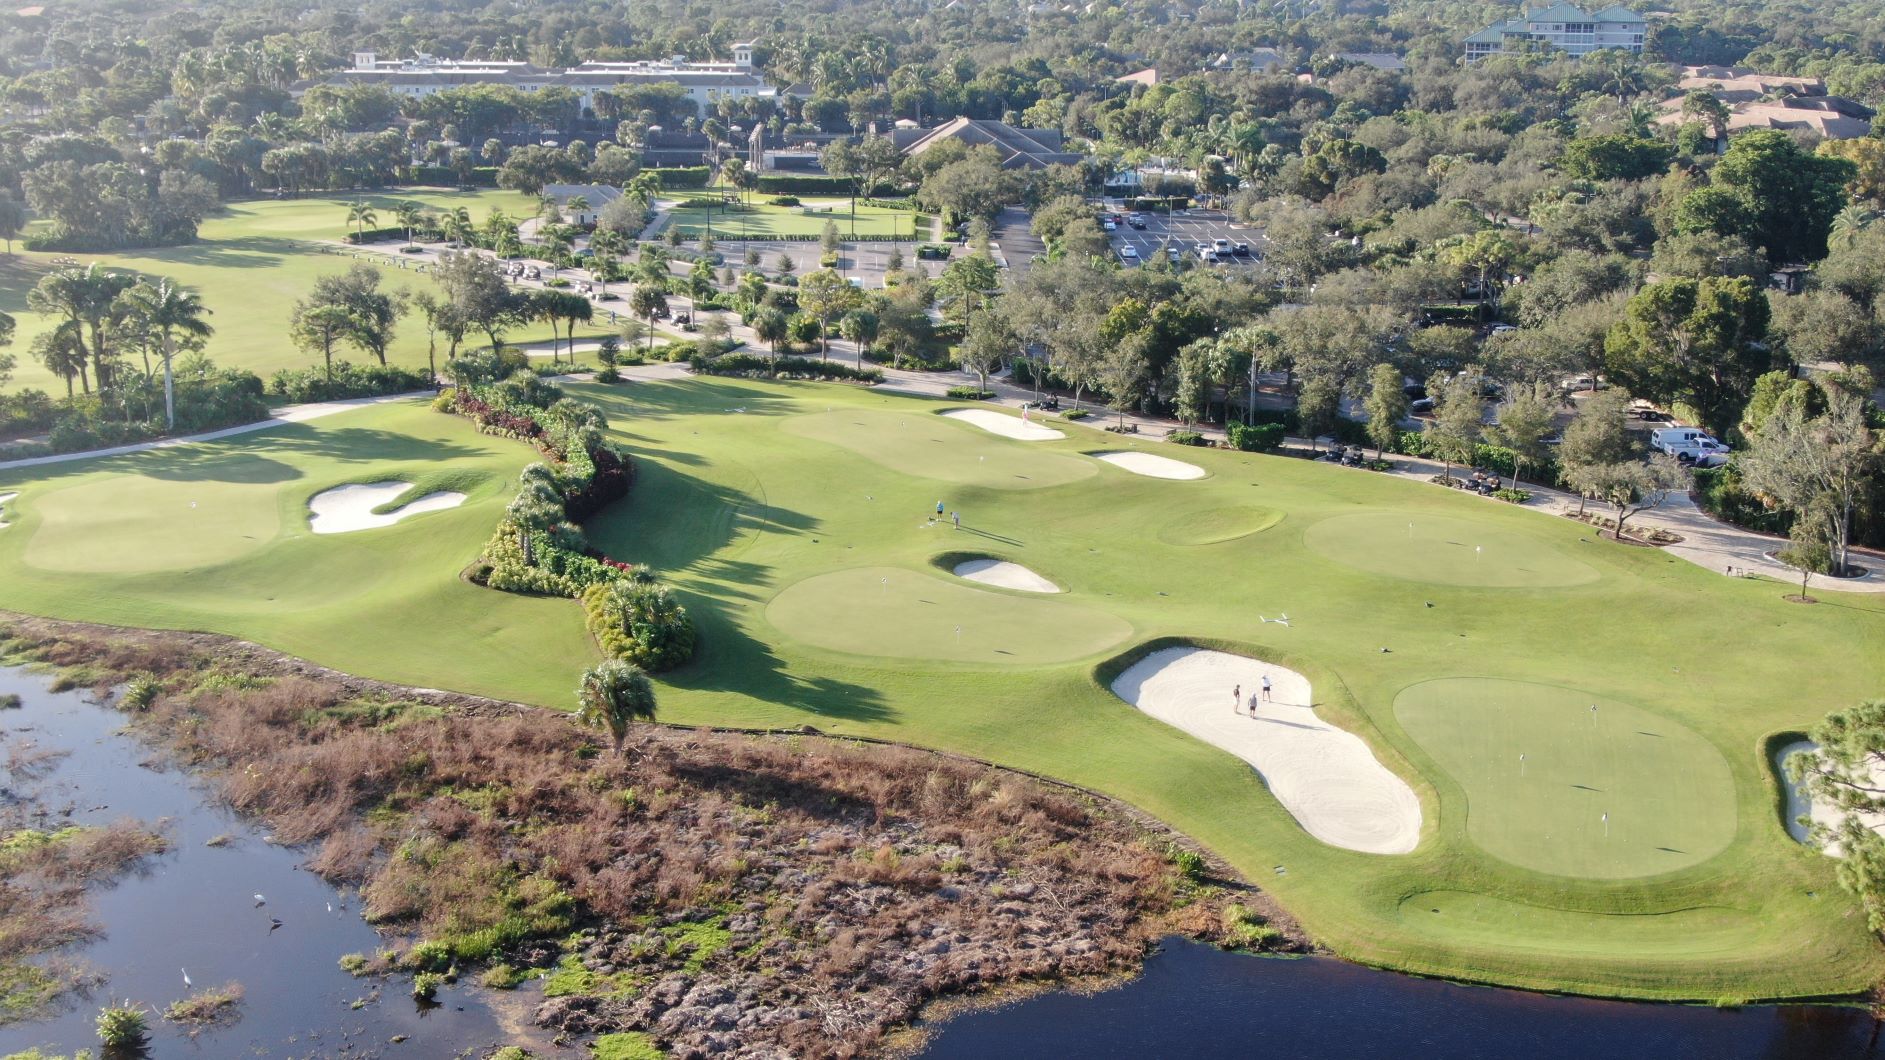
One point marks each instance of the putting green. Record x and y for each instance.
(901, 614)
(1609, 793)
(121, 526)
(914, 443)
(1444, 550)
(1216, 525)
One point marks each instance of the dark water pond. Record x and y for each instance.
(193, 910)
(1198, 1002)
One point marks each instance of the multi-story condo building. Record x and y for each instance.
(423, 75)
(1563, 27)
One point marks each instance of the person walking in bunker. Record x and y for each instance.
(1237, 699)
(1266, 687)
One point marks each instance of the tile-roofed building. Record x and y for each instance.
(1564, 27)
(1147, 77)
(1018, 148)
(1760, 101)
(424, 75)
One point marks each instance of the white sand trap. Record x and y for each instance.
(1800, 804)
(1005, 575)
(4, 498)
(1324, 776)
(344, 509)
(1006, 426)
(1154, 466)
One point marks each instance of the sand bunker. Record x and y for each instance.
(1800, 804)
(347, 508)
(1324, 776)
(1006, 426)
(1005, 575)
(4, 499)
(1153, 466)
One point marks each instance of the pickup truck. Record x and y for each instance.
(1690, 445)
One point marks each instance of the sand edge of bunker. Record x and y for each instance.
(357, 506)
(984, 569)
(1151, 465)
(1002, 424)
(1327, 777)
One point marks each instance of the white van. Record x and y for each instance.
(1691, 445)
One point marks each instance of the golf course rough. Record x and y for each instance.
(744, 514)
(1326, 777)
(1571, 783)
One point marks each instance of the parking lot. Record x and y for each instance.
(1185, 231)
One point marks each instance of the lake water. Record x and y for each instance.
(193, 910)
(1199, 1002)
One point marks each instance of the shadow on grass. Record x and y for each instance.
(225, 467)
(736, 663)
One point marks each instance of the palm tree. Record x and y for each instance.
(1848, 224)
(614, 695)
(170, 311)
(87, 297)
(577, 205)
(556, 245)
(859, 326)
(643, 187)
(605, 247)
(456, 225)
(647, 302)
(360, 215)
(410, 215)
(771, 326)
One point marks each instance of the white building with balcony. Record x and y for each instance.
(1563, 27)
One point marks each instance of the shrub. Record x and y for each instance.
(349, 381)
(1256, 438)
(1512, 496)
(122, 1027)
(784, 200)
(753, 366)
(426, 984)
(609, 374)
(1186, 438)
(1245, 930)
(640, 622)
(140, 693)
(969, 393)
(1076, 414)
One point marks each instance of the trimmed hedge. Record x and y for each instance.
(445, 176)
(350, 381)
(685, 176)
(809, 184)
(753, 366)
(377, 235)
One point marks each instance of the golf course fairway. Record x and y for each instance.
(795, 522)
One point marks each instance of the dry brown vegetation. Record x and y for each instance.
(755, 895)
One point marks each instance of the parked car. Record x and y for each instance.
(1128, 253)
(1222, 246)
(1690, 445)
(1241, 249)
(1172, 254)
(1207, 255)
(1136, 222)
(1108, 225)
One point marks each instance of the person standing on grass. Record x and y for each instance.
(1237, 700)
(939, 509)
(1266, 687)
(957, 516)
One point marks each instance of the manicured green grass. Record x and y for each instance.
(251, 263)
(764, 221)
(772, 508)
(1444, 550)
(1568, 783)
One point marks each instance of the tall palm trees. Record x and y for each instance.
(169, 311)
(87, 299)
(411, 215)
(360, 215)
(613, 696)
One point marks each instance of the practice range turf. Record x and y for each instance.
(1637, 849)
(252, 262)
